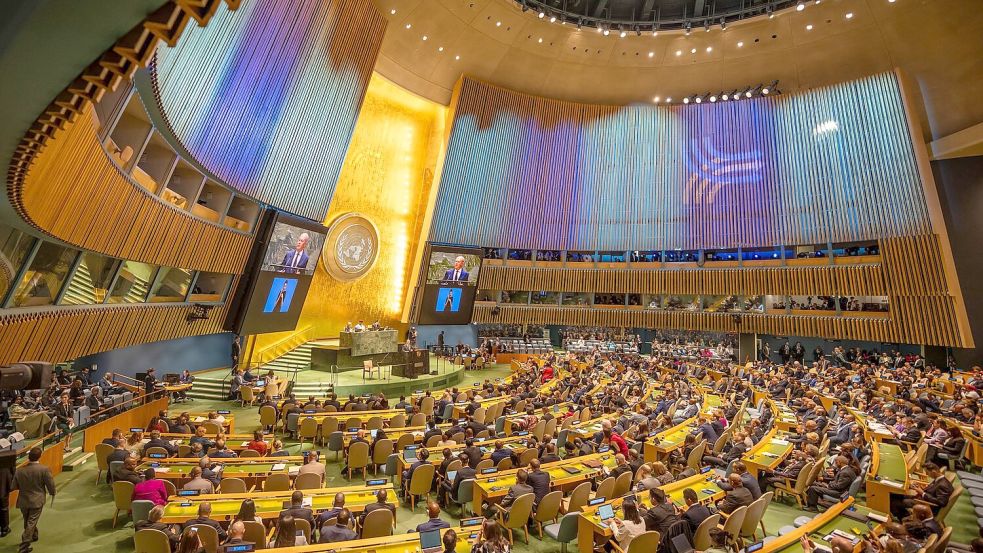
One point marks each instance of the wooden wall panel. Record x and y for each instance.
(135, 417)
(61, 333)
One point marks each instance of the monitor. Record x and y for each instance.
(429, 540)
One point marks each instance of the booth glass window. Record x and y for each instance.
(14, 247)
(45, 277)
(133, 283)
(91, 280)
(171, 285)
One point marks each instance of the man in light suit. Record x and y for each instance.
(33, 481)
(457, 274)
(296, 259)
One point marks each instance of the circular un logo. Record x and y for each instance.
(352, 247)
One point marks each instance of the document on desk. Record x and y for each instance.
(278, 466)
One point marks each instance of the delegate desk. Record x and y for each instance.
(785, 419)
(563, 474)
(767, 453)
(228, 425)
(251, 469)
(845, 519)
(513, 443)
(589, 523)
(397, 543)
(873, 430)
(235, 442)
(342, 418)
(974, 444)
(662, 444)
(888, 474)
(225, 507)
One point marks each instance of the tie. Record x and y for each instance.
(457, 274)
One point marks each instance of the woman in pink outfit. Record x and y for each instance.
(150, 489)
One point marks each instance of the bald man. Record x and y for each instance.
(295, 261)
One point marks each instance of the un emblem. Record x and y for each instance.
(352, 247)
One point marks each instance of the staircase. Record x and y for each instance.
(297, 358)
(80, 290)
(74, 459)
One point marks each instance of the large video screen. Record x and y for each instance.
(452, 280)
(293, 248)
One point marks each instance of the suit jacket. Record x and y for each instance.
(696, 514)
(464, 473)
(33, 481)
(842, 480)
(515, 492)
(205, 521)
(737, 497)
(288, 261)
(432, 524)
(336, 533)
(373, 506)
(297, 511)
(462, 277)
(165, 528)
(938, 493)
(128, 475)
(540, 482)
(660, 518)
(168, 446)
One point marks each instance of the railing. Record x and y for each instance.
(282, 346)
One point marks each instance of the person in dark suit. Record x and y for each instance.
(336, 508)
(473, 452)
(297, 509)
(237, 531)
(8, 462)
(340, 531)
(621, 466)
(150, 381)
(433, 511)
(457, 274)
(157, 441)
(936, 493)
(381, 502)
(661, 515)
(153, 523)
(295, 261)
(421, 459)
(749, 482)
(500, 452)
(204, 519)
(695, 512)
(466, 472)
(737, 496)
(922, 524)
(128, 471)
(835, 487)
(520, 488)
(539, 480)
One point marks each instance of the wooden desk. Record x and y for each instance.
(269, 504)
(589, 523)
(228, 425)
(822, 525)
(785, 419)
(252, 469)
(668, 441)
(397, 543)
(178, 388)
(493, 487)
(514, 443)
(888, 474)
(235, 442)
(873, 430)
(767, 454)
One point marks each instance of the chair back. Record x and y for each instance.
(248, 394)
(382, 450)
(122, 494)
(567, 532)
(432, 441)
(695, 459)
(353, 422)
(426, 405)
(520, 511)
(526, 456)
(458, 437)
(267, 415)
(550, 427)
(249, 453)
(103, 451)
(585, 414)
(419, 419)
(336, 441)
(392, 465)
(646, 542)
(308, 428)
(579, 497)
(701, 539)
(358, 455)
(484, 464)
(141, 509)
(817, 469)
(504, 464)
(943, 543)
(232, 485)
(520, 406)
(929, 545)
(374, 423)
(539, 429)
(183, 451)
(465, 492)
(151, 541)
(277, 482)
(944, 511)
(479, 415)
(735, 522)
(606, 488)
(802, 480)
(307, 481)
(422, 479)
(211, 428)
(378, 523)
(549, 506)
(399, 421)
(303, 526)
(170, 487)
(255, 532)
(755, 511)
(156, 451)
(622, 484)
(208, 537)
(405, 440)
(328, 425)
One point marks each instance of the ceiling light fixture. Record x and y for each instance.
(425, 37)
(540, 40)
(686, 100)
(498, 23)
(553, 19)
(699, 100)
(713, 99)
(457, 57)
(692, 51)
(849, 15)
(542, 15)
(800, 6)
(725, 97)
(679, 52)
(747, 94)
(740, 44)
(709, 49)
(392, 11)
(651, 54)
(408, 25)
(624, 34)
(606, 32)
(441, 49)
(765, 91)
(809, 27)
(668, 99)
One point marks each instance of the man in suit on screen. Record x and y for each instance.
(295, 261)
(457, 274)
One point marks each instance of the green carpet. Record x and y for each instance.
(81, 518)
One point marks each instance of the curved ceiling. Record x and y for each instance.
(834, 41)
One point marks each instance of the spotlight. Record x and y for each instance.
(668, 99)
(679, 52)
(725, 97)
(498, 23)
(686, 100)
(800, 6)
(457, 57)
(656, 99)
(425, 37)
(623, 34)
(655, 33)
(441, 49)
(553, 19)
(542, 15)
(809, 27)
(706, 25)
(540, 40)
(740, 44)
(713, 99)
(408, 25)
(392, 11)
(771, 11)
(747, 94)
(651, 54)
(709, 49)
(849, 15)
(600, 29)
(692, 51)
(689, 27)
(699, 100)
(606, 32)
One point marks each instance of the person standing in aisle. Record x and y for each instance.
(33, 482)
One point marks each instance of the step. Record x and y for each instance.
(77, 462)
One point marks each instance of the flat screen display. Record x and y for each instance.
(292, 250)
(451, 284)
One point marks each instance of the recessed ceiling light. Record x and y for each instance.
(709, 49)
(740, 44)
(540, 40)
(542, 15)
(849, 15)
(748, 93)
(809, 27)
(498, 23)
(725, 97)
(441, 49)
(651, 54)
(408, 25)
(765, 91)
(624, 34)
(686, 100)
(656, 99)
(457, 57)
(668, 99)
(392, 11)
(699, 100)
(679, 52)
(655, 33)
(425, 37)
(693, 51)
(713, 98)
(606, 32)
(800, 7)
(553, 19)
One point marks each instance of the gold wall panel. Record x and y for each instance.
(59, 334)
(387, 177)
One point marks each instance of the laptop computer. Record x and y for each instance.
(681, 544)
(430, 542)
(451, 474)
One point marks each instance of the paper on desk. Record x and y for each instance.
(161, 469)
(892, 483)
(278, 466)
(145, 441)
(294, 469)
(308, 501)
(778, 441)
(244, 444)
